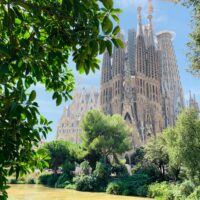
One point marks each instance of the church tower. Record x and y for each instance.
(106, 85)
(147, 80)
(117, 77)
(173, 100)
(135, 79)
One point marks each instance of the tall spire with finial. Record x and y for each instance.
(139, 16)
(150, 17)
(150, 13)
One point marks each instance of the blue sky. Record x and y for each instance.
(167, 16)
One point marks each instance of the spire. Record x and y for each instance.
(150, 17)
(139, 16)
(146, 34)
(150, 12)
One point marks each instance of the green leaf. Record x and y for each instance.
(4, 50)
(118, 42)
(58, 100)
(102, 46)
(115, 17)
(107, 25)
(19, 84)
(107, 3)
(55, 94)
(109, 47)
(116, 10)
(32, 96)
(116, 30)
(18, 21)
(26, 35)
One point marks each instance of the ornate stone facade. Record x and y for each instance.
(133, 81)
(172, 93)
(69, 125)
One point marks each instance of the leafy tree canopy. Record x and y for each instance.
(57, 153)
(194, 44)
(183, 142)
(36, 40)
(107, 135)
(156, 153)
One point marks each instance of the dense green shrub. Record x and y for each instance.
(31, 181)
(48, 179)
(70, 186)
(62, 181)
(102, 173)
(195, 195)
(119, 170)
(68, 167)
(136, 185)
(115, 188)
(13, 181)
(43, 178)
(149, 169)
(52, 179)
(186, 188)
(86, 183)
(142, 191)
(162, 191)
(85, 167)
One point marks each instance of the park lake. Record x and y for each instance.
(38, 192)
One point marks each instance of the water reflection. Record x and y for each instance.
(38, 192)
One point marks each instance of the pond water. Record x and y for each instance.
(38, 192)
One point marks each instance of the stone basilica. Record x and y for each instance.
(141, 82)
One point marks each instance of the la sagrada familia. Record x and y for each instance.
(141, 81)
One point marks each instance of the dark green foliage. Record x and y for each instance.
(105, 135)
(102, 174)
(102, 170)
(194, 44)
(68, 166)
(156, 153)
(31, 181)
(186, 188)
(148, 169)
(135, 185)
(195, 195)
(52, 179)
(183, 143)
(93, 157)
(162, 191)
(137, 156)
(55, 180)
(115, 188)
(63, 181)
(119, 170)
(43, 179)
(85, 167)
(13, 181)
(49, 179)
(97, 181)
(86, 183)
(170, 191)
(60, 154)
(37, 38)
